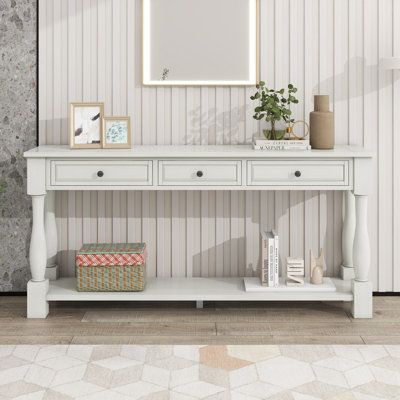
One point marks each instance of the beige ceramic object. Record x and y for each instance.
(317, 268)
(322, 132)
(317, 277)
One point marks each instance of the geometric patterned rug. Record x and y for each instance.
(193, 372)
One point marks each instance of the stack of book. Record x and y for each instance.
(261, 143)
(269, 259)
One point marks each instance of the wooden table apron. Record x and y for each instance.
(236, 167)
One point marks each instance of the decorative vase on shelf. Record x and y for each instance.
(322, 133)
(317, 268)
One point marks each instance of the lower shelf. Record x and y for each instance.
(194, 289)
(254, 285)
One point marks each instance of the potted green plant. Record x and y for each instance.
(274, 106)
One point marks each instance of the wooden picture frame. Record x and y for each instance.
(108, 123)
(86, 125)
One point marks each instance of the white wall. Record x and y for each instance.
(90, 50)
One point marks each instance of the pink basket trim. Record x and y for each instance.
(105, 260)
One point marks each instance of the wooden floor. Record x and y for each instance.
(217, 323)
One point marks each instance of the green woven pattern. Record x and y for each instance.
(112, 248)
(117, 278)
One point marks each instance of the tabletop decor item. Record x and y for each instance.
(104, 267)
(294, 271)
(322, 134)
(274, 107)
(117, 133)
(284, 144)
(317, 268)
(261, 143)
(291, 132)
(86, 125)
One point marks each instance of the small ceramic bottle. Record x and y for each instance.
(317, 277)
(317, 268)
(322, 133)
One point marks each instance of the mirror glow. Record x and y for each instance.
(200, 42)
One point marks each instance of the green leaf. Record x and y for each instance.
(273, 105)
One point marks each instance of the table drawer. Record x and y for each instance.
(200, 173)
(298, 173)
(99, 173)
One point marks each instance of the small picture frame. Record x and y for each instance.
(86, 125)
(117, 133)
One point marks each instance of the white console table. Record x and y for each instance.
(237, 167)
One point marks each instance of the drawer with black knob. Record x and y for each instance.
(199, 173)
(298, 173)
(100, 173)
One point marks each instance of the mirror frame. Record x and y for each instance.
(254, 60)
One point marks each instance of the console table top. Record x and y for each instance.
(194, 151)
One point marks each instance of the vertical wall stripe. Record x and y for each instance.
(385, 152)
(396, 150)
(371, 128)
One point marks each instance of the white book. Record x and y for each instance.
(271, 262)
(264, 260)
(282, 146)
(268, 259)
(262, 141)
(276, 261)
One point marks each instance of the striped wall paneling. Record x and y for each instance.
(90, 50)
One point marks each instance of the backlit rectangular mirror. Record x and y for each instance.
(200, 42)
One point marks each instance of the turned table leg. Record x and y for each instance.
(362, 287)
(349, 226)
(50, 229)
(37, 306)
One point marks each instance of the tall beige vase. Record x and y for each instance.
(322, 130)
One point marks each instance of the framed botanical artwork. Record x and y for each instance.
(86, 125)
(117, 132)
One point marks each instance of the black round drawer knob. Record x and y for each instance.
(199, 174)
(100, 174)
(297, 174)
